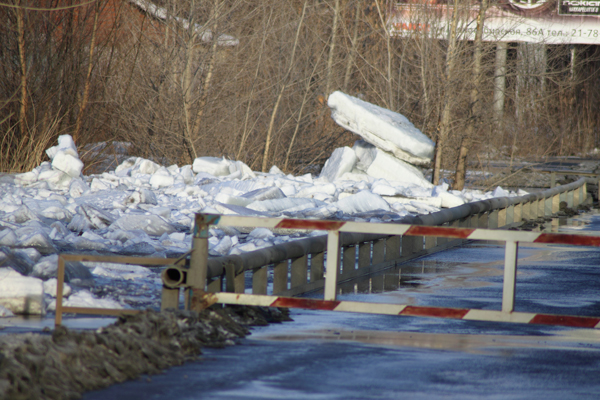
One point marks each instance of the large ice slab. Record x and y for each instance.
(85, 299)
(383, 128)
(448, 199)
(342, 160)
(285, 204)
(151, 224)
(363, 201)
(66, 145)
(67, 163)
(21, 294)
(386, 166)
(212, 165)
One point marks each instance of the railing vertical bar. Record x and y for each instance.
(316, 266)
(378, 251)
(280, 276)
(364, 254)
(299, 272)
(493, 219)
(333, 258)
(239, 283)
(456, 224)
(510, 214)
(430, 242)
(393, 248)
(348, 259)
(501, 217)
(526, 211)
(482, 220)
(259, 281)
(570, 198)
(215, 285)
(518, 212)
(548, 207)
(417, 244)
(556, 203)
(510, 276)
(169, 298)
(473, 221)
(442, 240)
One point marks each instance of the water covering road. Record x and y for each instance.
(324, 355)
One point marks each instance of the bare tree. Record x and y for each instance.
(475, 106)
(451, 60)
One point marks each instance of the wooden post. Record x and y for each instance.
(60, 278)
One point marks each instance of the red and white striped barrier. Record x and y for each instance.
(511, 238)
(409, 230)
(403, 310)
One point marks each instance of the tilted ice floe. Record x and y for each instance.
(387, 130)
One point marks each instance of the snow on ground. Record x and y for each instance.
(145, 209)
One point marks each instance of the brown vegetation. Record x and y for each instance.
(248, 80)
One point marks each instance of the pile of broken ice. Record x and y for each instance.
(143, 208)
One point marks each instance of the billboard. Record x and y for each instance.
(535, 21)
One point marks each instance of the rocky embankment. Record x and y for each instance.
(64, 363)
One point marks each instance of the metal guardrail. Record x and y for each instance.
(387, 251)
(298, 266)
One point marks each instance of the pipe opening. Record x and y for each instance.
(173, 276)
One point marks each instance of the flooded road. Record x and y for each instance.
(326, 355)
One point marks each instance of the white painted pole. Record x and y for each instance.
(333, 262)
(510, 276)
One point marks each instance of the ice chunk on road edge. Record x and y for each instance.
(21, 294)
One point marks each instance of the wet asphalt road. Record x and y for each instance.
(325, 355)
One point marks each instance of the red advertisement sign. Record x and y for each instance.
(535, 21)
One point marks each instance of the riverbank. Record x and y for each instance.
(65, 363)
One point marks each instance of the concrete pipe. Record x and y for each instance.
(174, 276)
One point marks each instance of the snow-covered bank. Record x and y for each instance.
(142, 208)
